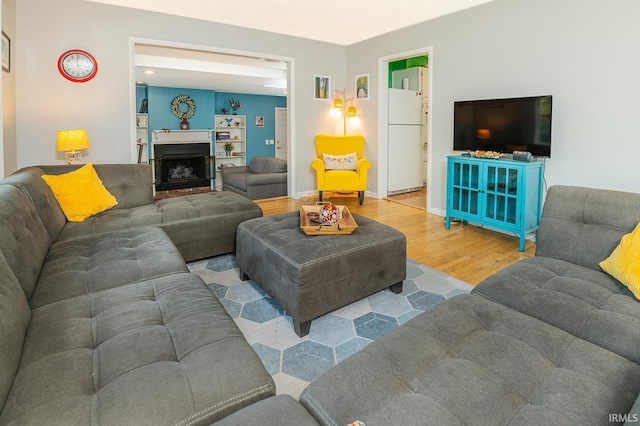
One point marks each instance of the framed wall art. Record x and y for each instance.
(321, 87)
(6, 52)
(259, 121)
(362, 86)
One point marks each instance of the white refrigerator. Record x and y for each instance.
(405, 141)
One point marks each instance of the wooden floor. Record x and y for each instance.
(417, 199)
(466, 252)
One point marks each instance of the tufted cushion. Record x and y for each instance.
(584, 225)
(472, 361)
(80, 193)
(204, 225)
(97, 262)
(29, 180)
(586, 303)
(14, 320)
(146, 353)
(22, 237)
(201, 225)
(281, 410)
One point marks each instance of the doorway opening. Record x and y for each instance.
(404, 128)
(211, 68)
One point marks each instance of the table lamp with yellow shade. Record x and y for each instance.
(72, 142)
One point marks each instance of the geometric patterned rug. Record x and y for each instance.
(294, 362)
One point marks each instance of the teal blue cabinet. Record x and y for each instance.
(503, 194)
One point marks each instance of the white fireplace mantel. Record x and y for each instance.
(182, 136)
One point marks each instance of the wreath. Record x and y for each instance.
(183, 99)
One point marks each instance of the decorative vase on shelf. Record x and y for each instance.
(228, 153)
(184, 124)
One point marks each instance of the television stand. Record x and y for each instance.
(503, 194)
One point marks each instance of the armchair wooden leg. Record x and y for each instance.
(319, 195)
(361, 197)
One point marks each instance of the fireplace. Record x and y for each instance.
(182, 165)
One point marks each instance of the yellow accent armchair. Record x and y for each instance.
(341, 180)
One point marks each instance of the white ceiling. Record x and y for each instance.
(333, 21)
(191, 69)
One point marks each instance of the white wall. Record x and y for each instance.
(46, 102)
(582, 53)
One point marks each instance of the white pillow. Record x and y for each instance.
(340, 162)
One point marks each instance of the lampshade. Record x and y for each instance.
(72, 140)
(338, 103)
(352, 112)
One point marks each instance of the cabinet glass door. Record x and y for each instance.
(466, 188)
(501, 198)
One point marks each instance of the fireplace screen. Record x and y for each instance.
(182, 166)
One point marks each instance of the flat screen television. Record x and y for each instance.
(503, 125)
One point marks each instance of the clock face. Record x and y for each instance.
(77, 66)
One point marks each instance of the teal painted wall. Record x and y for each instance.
(209, 103)
(161, 117)
(141, 93)
(253, 106)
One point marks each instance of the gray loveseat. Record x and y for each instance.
(551, 340)
(102, 323)
(264, 177)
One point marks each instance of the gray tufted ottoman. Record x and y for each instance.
(309, 276)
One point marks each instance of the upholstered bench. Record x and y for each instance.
(309, 276)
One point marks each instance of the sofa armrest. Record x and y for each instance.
(235, 169)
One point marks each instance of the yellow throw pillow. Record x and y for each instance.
(80, 193)
(624, 262)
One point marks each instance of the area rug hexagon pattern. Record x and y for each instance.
(294, 362)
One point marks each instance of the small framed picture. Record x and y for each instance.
(259, 121)
(321, 87)
(362, 86)
(6, 52)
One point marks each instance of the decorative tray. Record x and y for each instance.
(486, 154)
(312, 226)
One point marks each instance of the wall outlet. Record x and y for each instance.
(266, 141)
(270, 141)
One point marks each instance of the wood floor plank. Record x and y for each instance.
(467, 252)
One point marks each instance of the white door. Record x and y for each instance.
(281, 133)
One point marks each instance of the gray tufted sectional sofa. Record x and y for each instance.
(102, 324)
(551, 340)
(101, 321)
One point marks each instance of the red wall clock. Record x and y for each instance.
(77, 66)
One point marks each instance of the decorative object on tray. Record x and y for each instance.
(312, 224)
(486, 154)
(235, 105)
(225, 111)
(176, 103)
(328, 213)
